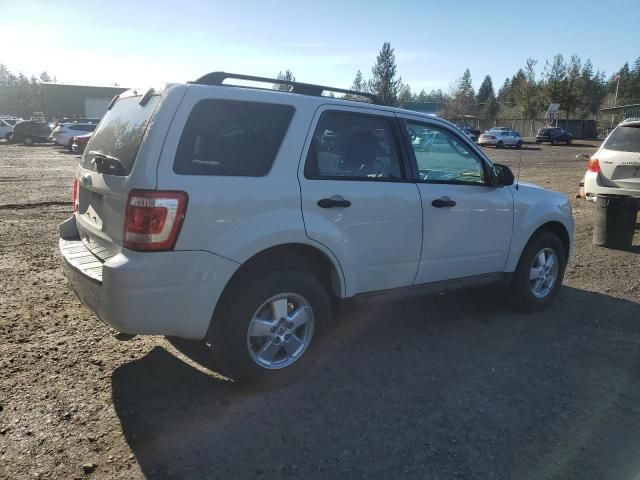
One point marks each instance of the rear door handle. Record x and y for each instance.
(443, 202)
(334, 202)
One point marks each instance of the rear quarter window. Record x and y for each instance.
(624, 139)
(231, 138)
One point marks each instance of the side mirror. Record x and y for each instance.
(501, 175)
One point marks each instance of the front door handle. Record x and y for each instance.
(334, 202)
(443, 202)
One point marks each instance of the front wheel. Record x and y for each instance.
(28, 141)
(8, 136)
(519, 144)
(569, 141)
(553, 142)
(268, 328)
(539, 273)
(500, 144)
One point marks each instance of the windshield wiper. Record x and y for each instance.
(106, 163)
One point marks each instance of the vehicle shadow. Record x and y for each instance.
(437, 387)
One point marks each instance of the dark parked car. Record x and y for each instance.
(30, 132)
(554, 135)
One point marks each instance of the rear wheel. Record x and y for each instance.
(539, 273)
(28, 141)
(8, 136)
(519, 144)
(268, 328)
(569, 141)
(500, 144)
(553, 141)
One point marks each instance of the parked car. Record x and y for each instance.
(6, 128)
(615, 167)
(63, 134)
(468, 131)
(30, 132)
(500, 138)
(220, 216)
(77, 120)
(80, 142)
(554, 135)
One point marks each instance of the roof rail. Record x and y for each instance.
(216, 78)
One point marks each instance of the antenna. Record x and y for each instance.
(519, 166)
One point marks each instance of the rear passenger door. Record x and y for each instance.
(357, 199)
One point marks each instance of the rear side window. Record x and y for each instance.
(624, 139)
(114, 145)
(231, 138)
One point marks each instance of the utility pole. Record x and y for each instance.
(615, 99)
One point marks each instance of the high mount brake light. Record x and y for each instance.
(153, 219)
(593, 165)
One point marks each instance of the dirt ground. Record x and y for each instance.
(448, 387)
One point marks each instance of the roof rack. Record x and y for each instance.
(217, 78)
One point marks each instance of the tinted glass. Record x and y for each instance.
(119, 135)
(226, 137)
(544, 131)
(352, 146)
(624, 139)
(442, 156)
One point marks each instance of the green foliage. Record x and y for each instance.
(287, 76)
(20, 95)
(384, 82)
(486, 99)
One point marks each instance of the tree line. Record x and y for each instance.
(573, 83)
(21, 95)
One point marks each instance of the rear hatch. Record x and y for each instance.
(114, 162)
(619, 158)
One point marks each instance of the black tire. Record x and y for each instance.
(523, 298)
(28, 141)
(553, 142)
(70, 145)
(519, 144)
(8, 136)
(228, 333)
(569, 141)
(500, 144)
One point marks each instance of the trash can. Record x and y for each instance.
(615, 221)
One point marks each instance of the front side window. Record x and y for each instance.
(350, 146)
(232, 138)
(442, 156)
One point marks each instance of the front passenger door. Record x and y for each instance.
(467, 222)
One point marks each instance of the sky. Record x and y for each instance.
(136, 44)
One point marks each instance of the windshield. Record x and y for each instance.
(625, 138)
(118, 136)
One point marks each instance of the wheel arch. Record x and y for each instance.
(291, 255)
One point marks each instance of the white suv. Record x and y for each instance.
(219, 212)
(615, 168)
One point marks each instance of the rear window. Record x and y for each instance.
(624, 139)
(114, 145)
(233, 138)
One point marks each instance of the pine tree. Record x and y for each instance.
(486, 99)
(384, 83)
(463, 95)
(286, 76)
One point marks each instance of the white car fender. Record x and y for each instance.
(534, 207)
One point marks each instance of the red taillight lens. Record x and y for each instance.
(593, 165)
(75, 194)
(153, 219)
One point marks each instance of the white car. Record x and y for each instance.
(6, 127)
(63, 134)
(219, 212)
(615, 168)
(500, 138)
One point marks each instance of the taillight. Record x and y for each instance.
(75, 194)
(153, 219)
(593, 165)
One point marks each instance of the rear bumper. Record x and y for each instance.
(593, 187)
(145, 293)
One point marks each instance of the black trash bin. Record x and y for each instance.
(615, 221)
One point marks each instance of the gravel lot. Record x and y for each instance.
(442, 387)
